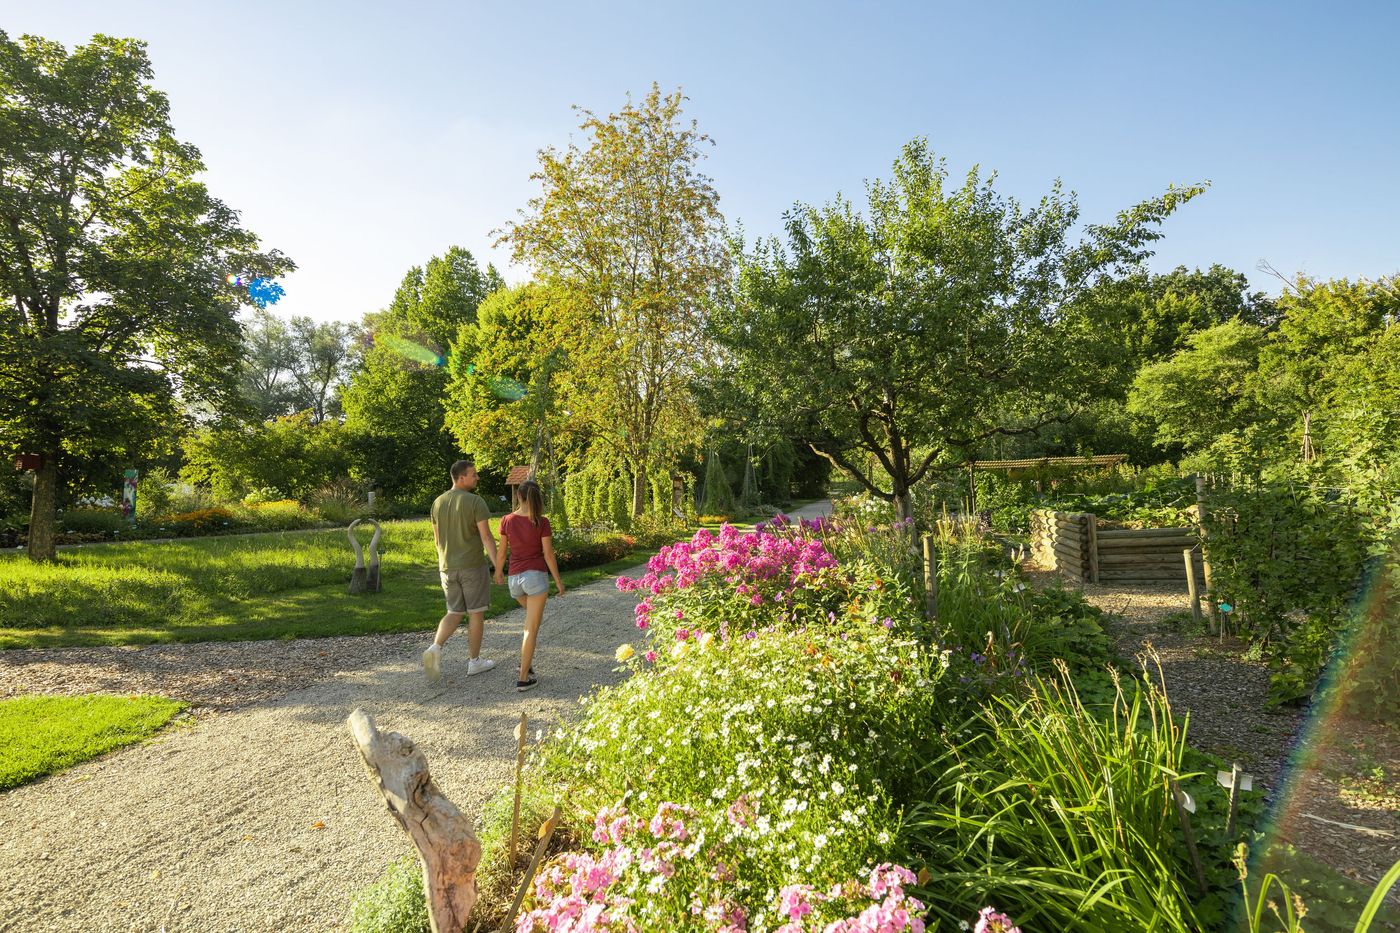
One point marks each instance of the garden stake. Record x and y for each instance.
(546, 833)
(1205, 556)
(1189, 836)
(1195, 597)
(1235, 773)
(930, 579)
(519, 767)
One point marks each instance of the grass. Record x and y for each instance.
(42, 735)
(276, 585)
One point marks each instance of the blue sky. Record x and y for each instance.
(362, 138)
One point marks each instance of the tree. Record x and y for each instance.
(508, 376)
(1323, 326)
(943, 319)
(112, 265)
(394, 402)
(1203, 392)
(268, 358)
(321, 356)
(630, 229)
(290, 457)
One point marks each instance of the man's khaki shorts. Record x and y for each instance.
(467, 590)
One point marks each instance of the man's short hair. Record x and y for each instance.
(460, 468)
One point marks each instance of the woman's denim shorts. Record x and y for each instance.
(529, 583)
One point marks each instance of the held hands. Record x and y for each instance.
(499, 577)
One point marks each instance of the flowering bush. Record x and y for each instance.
(733, 584)
(665, 868)
(767, 741)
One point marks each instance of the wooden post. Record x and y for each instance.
(1188, 835)
(443, 836)
(971, 490)
(930, 578)
(519, 768)
(1235, 773)
(1205, 555)
(546, 833)
(1189, 556)
(1091, 524)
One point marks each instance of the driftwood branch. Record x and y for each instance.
(446, 844)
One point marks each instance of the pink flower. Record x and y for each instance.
(989, 921)
(794, 901)
(682, 634)
(650, 656)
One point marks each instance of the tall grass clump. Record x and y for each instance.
(1065, 816)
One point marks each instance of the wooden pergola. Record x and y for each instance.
(1098, 460)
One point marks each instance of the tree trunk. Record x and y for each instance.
(443, 835)
(903, 504)
(639, 491)
(43, 509)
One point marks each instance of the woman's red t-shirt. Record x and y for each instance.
(526, 551)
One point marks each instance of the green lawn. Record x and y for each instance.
(276, 585)
(40, 735)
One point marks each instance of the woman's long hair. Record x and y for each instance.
(528, 493)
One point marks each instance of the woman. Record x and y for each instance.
(526, 536)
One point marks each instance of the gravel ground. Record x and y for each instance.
(261, 818)
(256, 813)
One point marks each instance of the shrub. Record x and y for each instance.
(201, 521)
(278, 515)
(99, 524)
(339, 503)
(393, 904)
(578, 549)
(154, 494)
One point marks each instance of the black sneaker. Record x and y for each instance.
(523, 685)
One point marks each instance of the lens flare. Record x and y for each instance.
(409, 350)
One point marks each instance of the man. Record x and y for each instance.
(462, 533)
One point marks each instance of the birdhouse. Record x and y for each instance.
(29, 461)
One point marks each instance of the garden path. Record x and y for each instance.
(260, 817)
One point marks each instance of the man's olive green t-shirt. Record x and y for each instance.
(456, 513)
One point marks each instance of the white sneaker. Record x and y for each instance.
(479, 665)
(432, 664)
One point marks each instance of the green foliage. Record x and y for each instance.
(942, 319)
(719, 495)
(155, 493)
(42, 735)
(1280, 549)
(290, 456)
(1202, 392)
(393, 904)
(112, 292)
(394, 403)
(1062, 817)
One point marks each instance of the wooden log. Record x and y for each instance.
(1142, 576)
(1169, 559)
(1205, 551)
(446, 844)
(1189, 555)
(1110, 534)
(1145, 544)
(1091, 527)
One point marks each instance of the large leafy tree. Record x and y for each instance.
(629, 228)
(112, 265)
(1204, 392)
(943, 318)
(394, 402)
(509, 380)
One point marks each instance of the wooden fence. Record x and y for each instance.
(1073, 544)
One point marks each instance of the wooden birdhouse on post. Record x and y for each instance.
(514, 478)
(29, 461)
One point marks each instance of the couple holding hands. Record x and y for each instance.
(462, 533)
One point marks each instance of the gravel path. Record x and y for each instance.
(255, 814)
